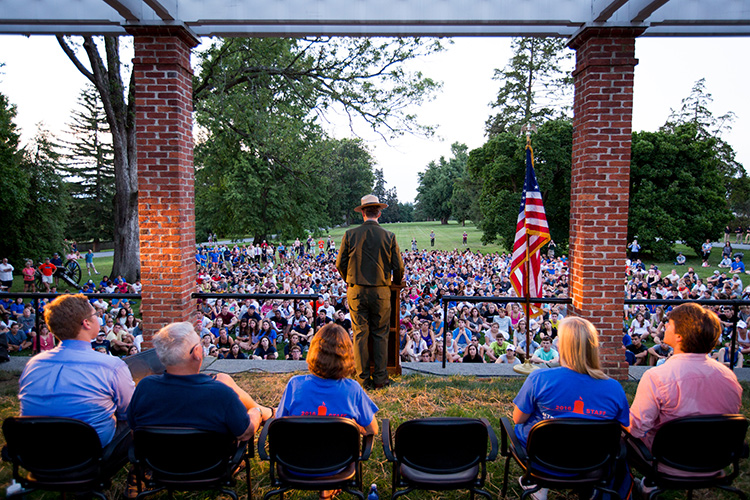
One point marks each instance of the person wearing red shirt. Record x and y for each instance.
(48, 270)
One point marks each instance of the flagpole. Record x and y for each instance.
(526, 368)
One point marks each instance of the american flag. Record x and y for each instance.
(532, 222)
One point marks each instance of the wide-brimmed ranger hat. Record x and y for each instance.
(370, 200)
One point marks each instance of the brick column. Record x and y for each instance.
(164, 135)
(603, 109)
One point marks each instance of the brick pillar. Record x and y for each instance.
(603, 109)
(164, 135)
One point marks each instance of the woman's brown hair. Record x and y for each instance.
(331, 354)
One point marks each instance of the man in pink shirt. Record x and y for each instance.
(689, 383)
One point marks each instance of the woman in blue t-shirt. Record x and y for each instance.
(327, 390)
(577, 389)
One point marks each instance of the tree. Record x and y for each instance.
(259, 100)
(392, 212)
(349, 176)
(14, 186)
(501, 165)
(465, 199)
(695, 109)
(677, 189)
(436, 183)
(90, 170)
(537, 87)
(34, 196)
(105, 74)
(47, 211)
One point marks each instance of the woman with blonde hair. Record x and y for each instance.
(577, 389)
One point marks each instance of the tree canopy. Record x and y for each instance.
(88, 161)
(35, 202)
(436, 184)
(501, 165)
(264, 154)
(536, 87)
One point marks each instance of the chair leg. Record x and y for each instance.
(505, 477)
(279, 492)
(397, 494)
(739, 493)
(356, 493)
(483, 493)
(231, 493)
(248, 479)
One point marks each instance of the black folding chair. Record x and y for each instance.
(423, 459)
(314, 453)
(565, 453)
(697, 451)
(58, 454)
(185, 459)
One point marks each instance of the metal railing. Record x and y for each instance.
(35, 296)
(735, 303)
(263, 296)
(445, 299)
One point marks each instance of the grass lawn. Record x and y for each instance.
(447, 237)
(102, 264)
(412, 397)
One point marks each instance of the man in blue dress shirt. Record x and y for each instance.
(72, 380)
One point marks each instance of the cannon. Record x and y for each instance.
(70, 273)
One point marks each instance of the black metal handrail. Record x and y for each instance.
(735, 303)
(264, 296)
(35, 296)
(498, 300)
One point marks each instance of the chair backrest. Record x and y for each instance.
(574, 447)
(315, 446)
(441, 445)
(183, 455)
(54, 449)
(702, 443)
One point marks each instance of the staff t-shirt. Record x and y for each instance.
(312, 395)
(564, 393)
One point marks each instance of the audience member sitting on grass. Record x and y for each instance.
(577, 389)
(659, 353)
(509, 356)
(638, 350)
(265, 350)
(737, 266)
(234, 353)
(723, 355)
(689, 383)
(472, 354)
(545, 354)
(17, 339)
(725, 262)
(679, 260)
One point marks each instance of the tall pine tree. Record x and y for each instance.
(90, 170)
(537, 86)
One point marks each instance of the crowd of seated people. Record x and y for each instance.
(120, 331)
(429, 275)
